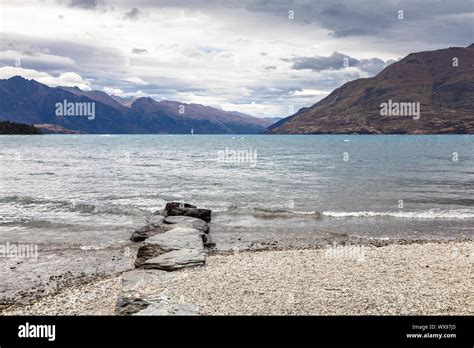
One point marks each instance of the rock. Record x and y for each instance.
(138, 283)
(184, 209)
(187, 221)
(177, 205)
(177, 259)
(139, 236)
(128, 306)
(147, 251)
(174, 204)
(164, 308)
(207, 241)
(177, 238)
(148, 231)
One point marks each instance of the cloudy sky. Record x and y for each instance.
(261, 57)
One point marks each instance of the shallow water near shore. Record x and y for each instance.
(79, 197)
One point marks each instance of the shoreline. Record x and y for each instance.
(429, 277)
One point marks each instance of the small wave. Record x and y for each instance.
(266, 213)
(280, 213)
(27, 200)
(77, 207)
(91, 208)
(430, 214)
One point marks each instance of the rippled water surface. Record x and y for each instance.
(89, 192)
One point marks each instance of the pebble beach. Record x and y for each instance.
(414, 279)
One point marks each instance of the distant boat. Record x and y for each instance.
(192, 131)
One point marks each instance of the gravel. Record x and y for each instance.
(432, 278)
(424, 279)
(94, 298)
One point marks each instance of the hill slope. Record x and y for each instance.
(445, 93)
(31, 102)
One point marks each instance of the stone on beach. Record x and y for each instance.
(147, 251)
(184, 209)
(207, 240)
(164, 308)
(177, 238)
(175, 242)
(187, 221)
(128, 306)
(177, 259)
(148, 231)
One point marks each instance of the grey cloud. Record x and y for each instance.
(133, 14)
(139, 50)
(442, 21)
(333, 62)
(84, 4)
(373, 66)
(337, 61)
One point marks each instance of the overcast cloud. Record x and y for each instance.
(264, 58)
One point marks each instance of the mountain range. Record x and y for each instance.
(31, 102)
(429, 92)
(440, 83)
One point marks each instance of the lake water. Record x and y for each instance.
(79, 197)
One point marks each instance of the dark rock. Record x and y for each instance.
(181, 205)
(207, 241)
(184, 209)
(138, 236)
(145, 252)
(148, 231)
(128, 306)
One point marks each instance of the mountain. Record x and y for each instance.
(31, 102)
(178, 117)
(125, 101)
(443, 89)
(273, 120)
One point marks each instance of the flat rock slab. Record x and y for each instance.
(140, 282)
(177, 238)
(177, 259)
(169, 309)
(187, 221)
(128, 306)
